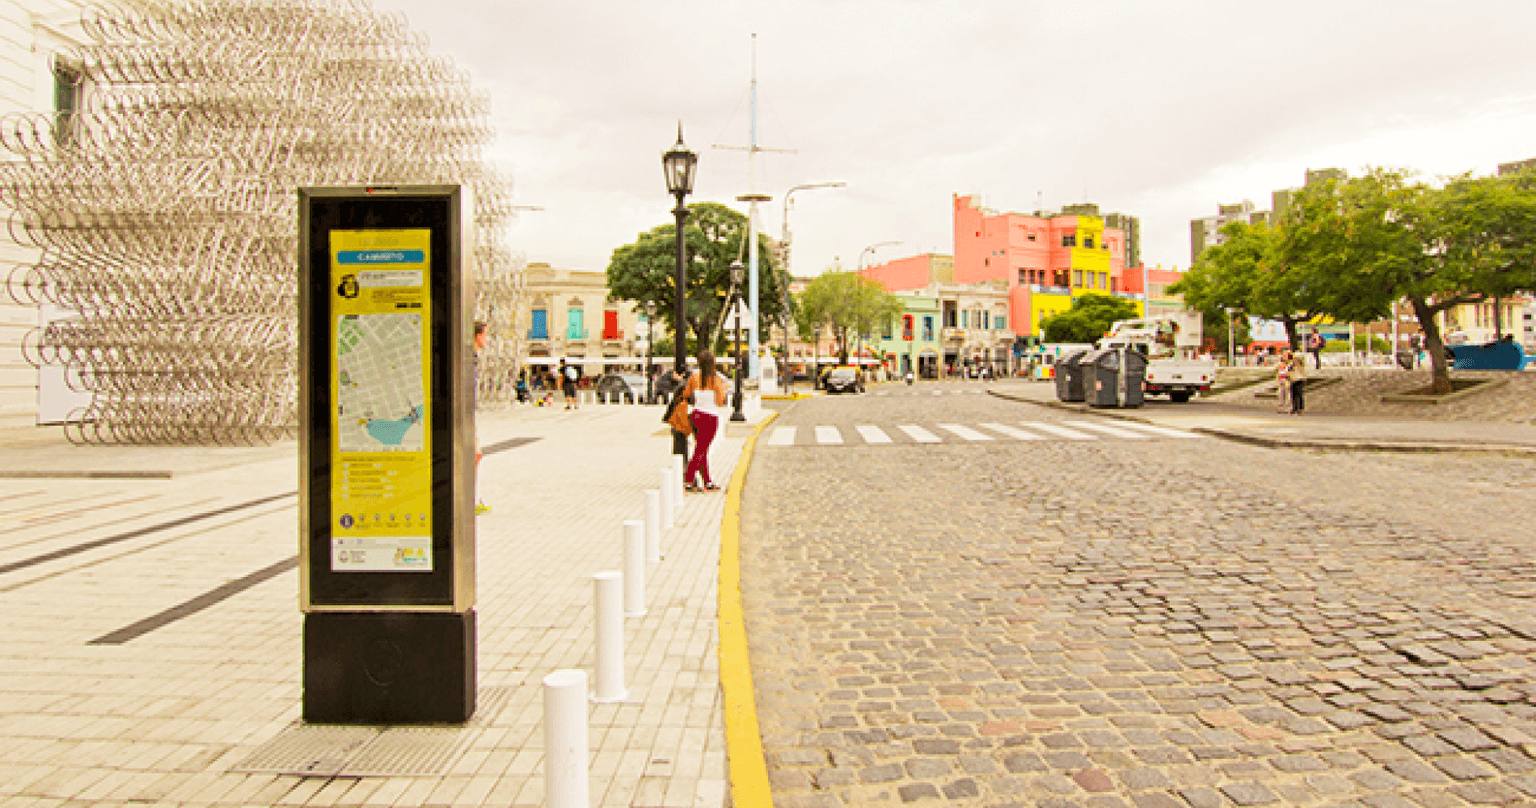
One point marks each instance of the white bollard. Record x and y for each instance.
(607, 599)
(677, 480)
(668, 498)
(653, 526)
(634, 568)
(565, 740)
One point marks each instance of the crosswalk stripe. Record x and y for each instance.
(1108, 429)
(1060, 431)
(782, 436)
(1013, 432)
(965, 432)
(919, 434)
(873, 434)
(938, 392)
(1159, 430)
(828, 435)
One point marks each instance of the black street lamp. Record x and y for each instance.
(736, 273)
(679, 164)
(650, 373)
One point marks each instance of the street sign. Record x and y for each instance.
(387, 449)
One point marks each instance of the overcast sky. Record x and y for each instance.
(1157, 109)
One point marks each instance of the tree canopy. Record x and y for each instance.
(713, 237)
(847, 302)
(1347, 249)
(1089, 318)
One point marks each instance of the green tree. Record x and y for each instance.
(1384, 236)
(713, 237)
(1089, 318)
(848, 303)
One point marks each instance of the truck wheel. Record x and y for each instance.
(1179, 396)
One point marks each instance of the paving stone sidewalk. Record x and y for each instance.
(174, 717)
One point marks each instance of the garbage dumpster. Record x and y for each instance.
(1114, 377)
(1069, 376)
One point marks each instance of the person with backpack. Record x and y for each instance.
(1315, 345)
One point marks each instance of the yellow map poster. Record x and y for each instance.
(381, 446)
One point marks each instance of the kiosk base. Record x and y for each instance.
(389, 667)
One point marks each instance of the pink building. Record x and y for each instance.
(913, 272)
(1046, 259)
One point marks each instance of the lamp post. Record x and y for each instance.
(871, 249)
(784, 246)
(736, 270)
(679, 164)
(815, 355)
(1231, 338)
(650, 373)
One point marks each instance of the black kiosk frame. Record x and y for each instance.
(386, 454)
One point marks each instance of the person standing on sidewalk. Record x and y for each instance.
(568, 385)
(482, 335)
(708, 394)
(1283, 384)
(1299, 385)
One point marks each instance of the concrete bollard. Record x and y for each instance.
(608, 622)
(653, 526)
(668, 499)
(634, 568)
(677, 480)
(565, 740)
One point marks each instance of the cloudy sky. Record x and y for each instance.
(1156, 108)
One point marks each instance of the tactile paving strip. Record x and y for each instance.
(312, 750)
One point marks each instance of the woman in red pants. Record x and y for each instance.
(708, 392)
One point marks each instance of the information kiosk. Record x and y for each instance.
(386, 455)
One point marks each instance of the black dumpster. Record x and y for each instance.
(1069, 375)
(1113, 377)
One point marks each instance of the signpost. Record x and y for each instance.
(386, 455)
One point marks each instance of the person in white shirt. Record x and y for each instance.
(706, 392)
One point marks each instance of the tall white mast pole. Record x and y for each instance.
(755, 196)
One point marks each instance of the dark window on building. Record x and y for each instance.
(66, 101)
(1088, 242)
(1069, 240)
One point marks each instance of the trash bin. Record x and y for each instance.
(1114, 377)
(1069, 376)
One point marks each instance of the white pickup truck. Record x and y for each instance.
(1171, 344)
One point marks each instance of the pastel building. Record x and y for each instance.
(570, 315)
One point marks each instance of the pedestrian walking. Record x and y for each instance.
(706, 391)
(1299, 385)
(1283, 384)
(1315, 345)
(482, 336)
(568, 385)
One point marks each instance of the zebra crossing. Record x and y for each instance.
(871, 435)
(929, 393)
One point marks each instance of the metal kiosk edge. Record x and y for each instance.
(386, 455)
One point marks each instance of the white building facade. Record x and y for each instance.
(35, 77)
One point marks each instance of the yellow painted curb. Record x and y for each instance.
(743, 740)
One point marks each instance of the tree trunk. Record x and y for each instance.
(1291, 339)
(1434, 344)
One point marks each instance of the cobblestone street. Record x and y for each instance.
(1153, 623)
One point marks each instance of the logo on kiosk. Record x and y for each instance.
(346, 520)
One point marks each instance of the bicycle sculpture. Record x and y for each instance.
(165, 212)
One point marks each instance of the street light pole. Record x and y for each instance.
(871, 249)
(737, 415)
(1231, 338)
(784, 245)
(680, 164)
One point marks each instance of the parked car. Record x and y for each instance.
(623, 387)
(845, 379)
